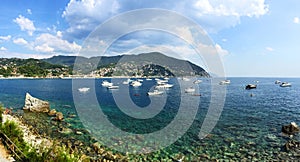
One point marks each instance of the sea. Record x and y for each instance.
(246, 126)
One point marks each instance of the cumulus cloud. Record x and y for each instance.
(47, 43)
(5, 38)
(25, 24)
(20, 41)
(296, 20)
(3, 49)
(84, 15)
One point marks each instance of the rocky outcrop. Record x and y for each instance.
(292, 145)
(36, 105)
(59, 116)
(290, 129)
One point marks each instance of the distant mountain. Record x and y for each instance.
(130, 65)
(145, 64)
(31, 68)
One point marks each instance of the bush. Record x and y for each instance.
(55, 153)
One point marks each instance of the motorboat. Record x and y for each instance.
(186, 79)
(106, 83)
(136, 84)
(155, 92)
(189, 90)
(140, 80)
(224, 82)
(127, 81)
(148, 79)
(113, 87)
(83, 90)
(197, 81)
(250, 86)
(164, 85)
(277, 82)
(285, 84)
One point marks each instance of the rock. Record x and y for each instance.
(78, 133)
(52, 112)
(35, 105)
(291, 129)
(59, 116)
(292, 145)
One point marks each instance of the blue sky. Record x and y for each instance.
(253, 37)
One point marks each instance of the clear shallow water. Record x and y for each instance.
(249, 127)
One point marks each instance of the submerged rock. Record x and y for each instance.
(52, 112)
(292, 145)
(290, 129)
(36, 105)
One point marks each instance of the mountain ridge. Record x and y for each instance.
(143, 64)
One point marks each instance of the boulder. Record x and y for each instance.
(59, 116)
(36, 105)
(52, 112)
(290, 129)
(292, 145)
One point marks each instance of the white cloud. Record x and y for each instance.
(3, 49)
(231, 7)
(29, 11)
(44, 48)
(20, 41)
(50, 43)
(296, 20)
(25, 24)
(83, 16)
(5, 38)
(270, 49)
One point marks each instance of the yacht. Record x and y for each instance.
(136, 84)
(84, 89)
(113, 87)
(224, 82)
(189, 90)
(250, 86)
(285, 84)
(163, 85)
(197, 81)
(155, 92)
(105, 83)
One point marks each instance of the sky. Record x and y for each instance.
(254, 38)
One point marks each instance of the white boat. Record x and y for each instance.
(251, 86)
(105, 83)
(140, 80)
(127, 81)
(155, 92)
(113, 87)
(285, 84)
(277, 82)
(148, 79)
(161, 81)
(136, 84)
(224, 82)
(189, 90)
(186, 79)
(197, 81)
(164, 85)
(84, 89)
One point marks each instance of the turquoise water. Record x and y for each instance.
(249, 127)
